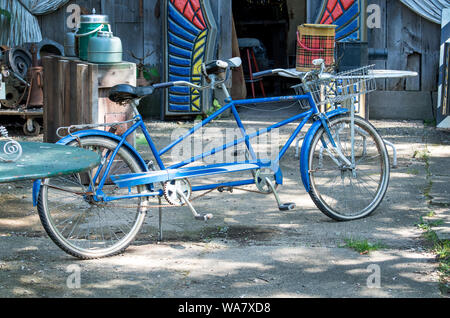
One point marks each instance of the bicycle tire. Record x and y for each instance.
(369, 183)
(54, 204)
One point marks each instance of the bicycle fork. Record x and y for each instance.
(335, 147)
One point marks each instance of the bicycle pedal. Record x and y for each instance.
(287, 207)
(225, 189)
(204, 218)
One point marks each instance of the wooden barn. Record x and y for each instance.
(407, 38)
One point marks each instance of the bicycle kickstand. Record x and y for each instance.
(282, 207)
(198, 217)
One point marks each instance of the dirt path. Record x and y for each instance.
(249, 249)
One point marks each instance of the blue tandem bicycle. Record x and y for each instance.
(344, 163)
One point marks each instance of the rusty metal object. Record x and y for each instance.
(141, 80)
(19, 61)
(13, 96)
(44, 48)
(36, 79)
(36, 94)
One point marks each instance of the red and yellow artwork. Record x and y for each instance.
(188, 32)
(346, 15)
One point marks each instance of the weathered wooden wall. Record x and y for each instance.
(413, 44)
(138, 24)
(412, 41)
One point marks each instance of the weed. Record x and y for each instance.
(427, 226)
(362, 246)
(414, 172)
(430, 123)
(441, 249)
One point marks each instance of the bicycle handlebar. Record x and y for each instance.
(262, 74)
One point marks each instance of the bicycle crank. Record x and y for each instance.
(173, 188)
(261, 183)
(178, 193)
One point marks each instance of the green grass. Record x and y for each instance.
(141, 140)
(212, 110)
(441, 249)
(422, 155)
(414, 172)
(362, 246)
(427, 226)
(430, 123)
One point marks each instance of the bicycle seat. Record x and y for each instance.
(124, 93)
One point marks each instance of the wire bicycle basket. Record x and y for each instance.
(339, 88)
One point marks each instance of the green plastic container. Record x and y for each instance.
(105, 48)
(90, 25)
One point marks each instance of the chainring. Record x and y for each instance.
(171, 189)
(260, 180)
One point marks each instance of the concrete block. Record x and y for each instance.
(403, 105)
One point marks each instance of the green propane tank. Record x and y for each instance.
(105, 48)
(90, 25)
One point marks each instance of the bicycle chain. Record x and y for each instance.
(162, 206)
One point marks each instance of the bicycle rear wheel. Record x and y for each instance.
(339, 191)
(77, 223)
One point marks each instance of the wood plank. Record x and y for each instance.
(52, 25)
(152, 32)
(73, 92)
(110, 75)
(93, 92)
(431, 55)
(412, 47)
(396, 59)
(59, 92)
(132, 36)
(80, 100)
(402, 105)
(238, 89)
(128, 11)
(377, 40)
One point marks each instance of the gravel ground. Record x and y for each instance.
(250, 248)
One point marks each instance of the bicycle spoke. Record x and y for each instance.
(83, 224)
(347, 192)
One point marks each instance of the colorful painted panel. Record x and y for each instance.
(190, 35)
(347, 15)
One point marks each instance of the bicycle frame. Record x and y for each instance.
(319, 118)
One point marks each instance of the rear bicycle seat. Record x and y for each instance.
(125, 93)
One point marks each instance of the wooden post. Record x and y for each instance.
(76, 92)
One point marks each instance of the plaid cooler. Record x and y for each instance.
(315, 41)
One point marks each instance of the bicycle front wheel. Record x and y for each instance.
(346, 191)
(83, 226)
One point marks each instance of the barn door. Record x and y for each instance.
(189, 40)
